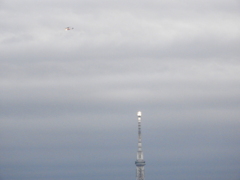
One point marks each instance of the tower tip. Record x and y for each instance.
(139, 113)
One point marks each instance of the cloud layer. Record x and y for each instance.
(69, 98)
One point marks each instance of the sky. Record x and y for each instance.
(69, 99)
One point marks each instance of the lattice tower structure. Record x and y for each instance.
(140, 163)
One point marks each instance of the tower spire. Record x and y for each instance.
(140, 163)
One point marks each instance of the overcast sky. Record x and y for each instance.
(69, 99)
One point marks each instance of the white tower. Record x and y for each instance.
(140, 163)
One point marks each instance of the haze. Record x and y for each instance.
(69, 99)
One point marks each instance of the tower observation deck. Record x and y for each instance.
(140, 163)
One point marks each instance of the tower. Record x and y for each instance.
(140, 163)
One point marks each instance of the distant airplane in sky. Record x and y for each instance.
(68, 28)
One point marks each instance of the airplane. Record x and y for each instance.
(68, 28)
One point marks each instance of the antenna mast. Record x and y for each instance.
(140, 163)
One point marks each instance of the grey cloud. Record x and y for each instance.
(126, 29)
(69, 98)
